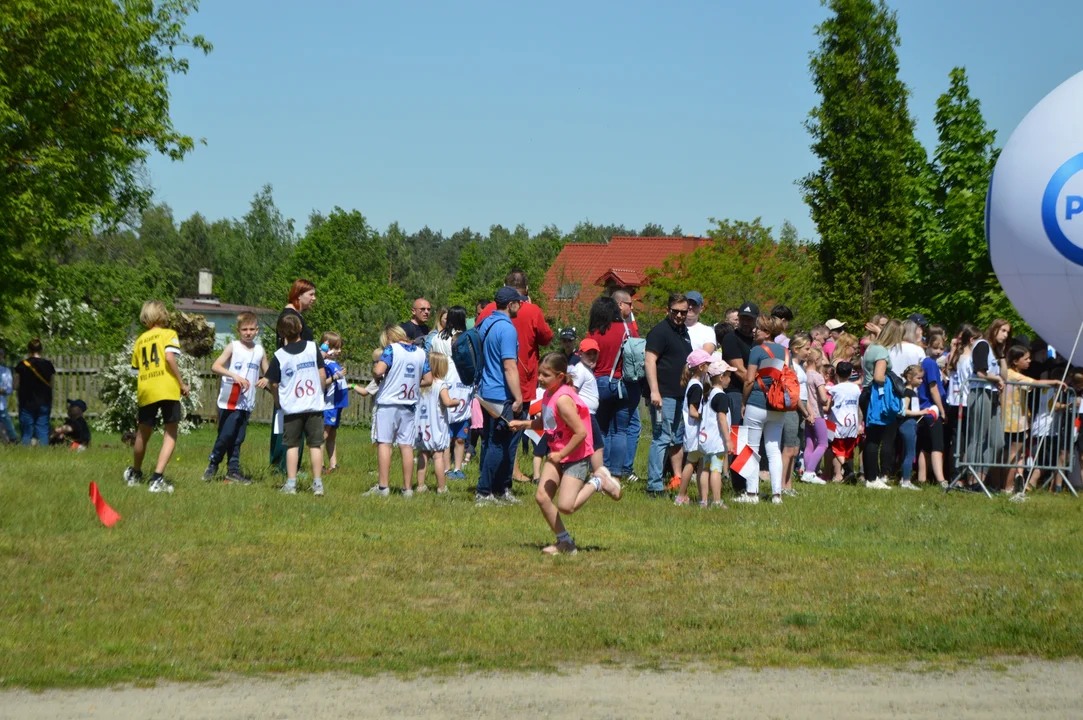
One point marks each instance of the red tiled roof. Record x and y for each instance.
(623, 258)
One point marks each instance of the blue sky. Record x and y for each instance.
(477, 113)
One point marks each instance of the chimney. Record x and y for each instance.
(206, 283)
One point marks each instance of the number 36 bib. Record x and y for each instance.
(300, 390)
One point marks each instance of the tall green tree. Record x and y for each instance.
(864, 193)
(248, 252)
(964, 162)
(84, 101)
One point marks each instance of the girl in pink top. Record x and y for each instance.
(565, 420)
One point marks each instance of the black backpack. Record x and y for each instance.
(466, 353)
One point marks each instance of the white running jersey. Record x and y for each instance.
(432, 420)
(710, 437)
(300, 390)
(691, 425)
(402, 383)
(460, 392)
(246, 362)
(844, 408)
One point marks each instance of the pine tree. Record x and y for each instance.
(865, 198)
(964, 164)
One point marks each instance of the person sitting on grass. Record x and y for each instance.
(160, 388)
(297, 376)
(565, 420)
(75, 433)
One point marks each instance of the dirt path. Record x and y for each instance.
(1045, 690)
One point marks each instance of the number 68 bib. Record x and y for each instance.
(300, 390)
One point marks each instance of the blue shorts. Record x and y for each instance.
(331, 418)
(460, 430)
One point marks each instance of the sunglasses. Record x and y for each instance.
(675, 311)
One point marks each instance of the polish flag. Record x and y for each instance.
(535, 407)
(831, 428)
(747, 461)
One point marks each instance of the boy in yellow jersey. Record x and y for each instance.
(160, 390)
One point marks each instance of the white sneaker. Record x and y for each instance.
(509, 498)
(610, 486)
(747, 499)
(407, 493)
(789, 492)
(422, 489)
(377, 491)
(909, 485)
(317, 487)
(813, 479)
(161, 485)
(132, 476)
(776, 500)
(290, 488)
(877, 484)
(485, 501)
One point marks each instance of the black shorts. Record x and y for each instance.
(1015, 437)
(171, 413)
(930, 435)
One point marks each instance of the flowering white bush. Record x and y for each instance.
(63, 324)
(117, 388)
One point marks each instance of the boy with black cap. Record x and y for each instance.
(75, 430)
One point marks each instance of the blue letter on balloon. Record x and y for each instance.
(1074, 206)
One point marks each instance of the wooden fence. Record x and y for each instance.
(77, 377)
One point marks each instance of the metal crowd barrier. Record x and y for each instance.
(1047, 445)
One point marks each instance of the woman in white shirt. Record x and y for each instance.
(909, 351)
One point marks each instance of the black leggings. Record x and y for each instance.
(879, 455)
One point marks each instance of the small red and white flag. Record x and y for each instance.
(831, 428)
(747, 461)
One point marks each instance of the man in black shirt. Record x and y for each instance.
(668, 346)
(735, 349)
(34, 386)
(417, 327)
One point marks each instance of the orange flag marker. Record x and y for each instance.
(106, 514)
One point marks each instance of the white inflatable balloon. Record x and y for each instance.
(1034, 217)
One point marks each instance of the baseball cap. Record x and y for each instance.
(718, 367)
(918, 319)
(507, 295)
(77, 403)
(698, 357)
(694, 296)
(834, 324)
(567, 333)
(588, 344)
(748, 310)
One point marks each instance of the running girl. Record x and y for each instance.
(565, 420)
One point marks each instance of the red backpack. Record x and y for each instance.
(785, 391)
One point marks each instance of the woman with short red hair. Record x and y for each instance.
(301, 298)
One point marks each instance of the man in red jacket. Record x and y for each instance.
(533, 331)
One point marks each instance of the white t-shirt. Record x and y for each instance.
(586, 385)
(431, 419)
(701, 335)
(402, 383)
(904, 355)
(802, 378)
(844, 408)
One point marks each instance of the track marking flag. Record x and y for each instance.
(743, 464)
(106, 514)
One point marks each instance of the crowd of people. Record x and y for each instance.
(748, 395)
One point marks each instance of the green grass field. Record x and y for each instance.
(225, 578)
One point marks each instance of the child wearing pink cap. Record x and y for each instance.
(693, 378)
